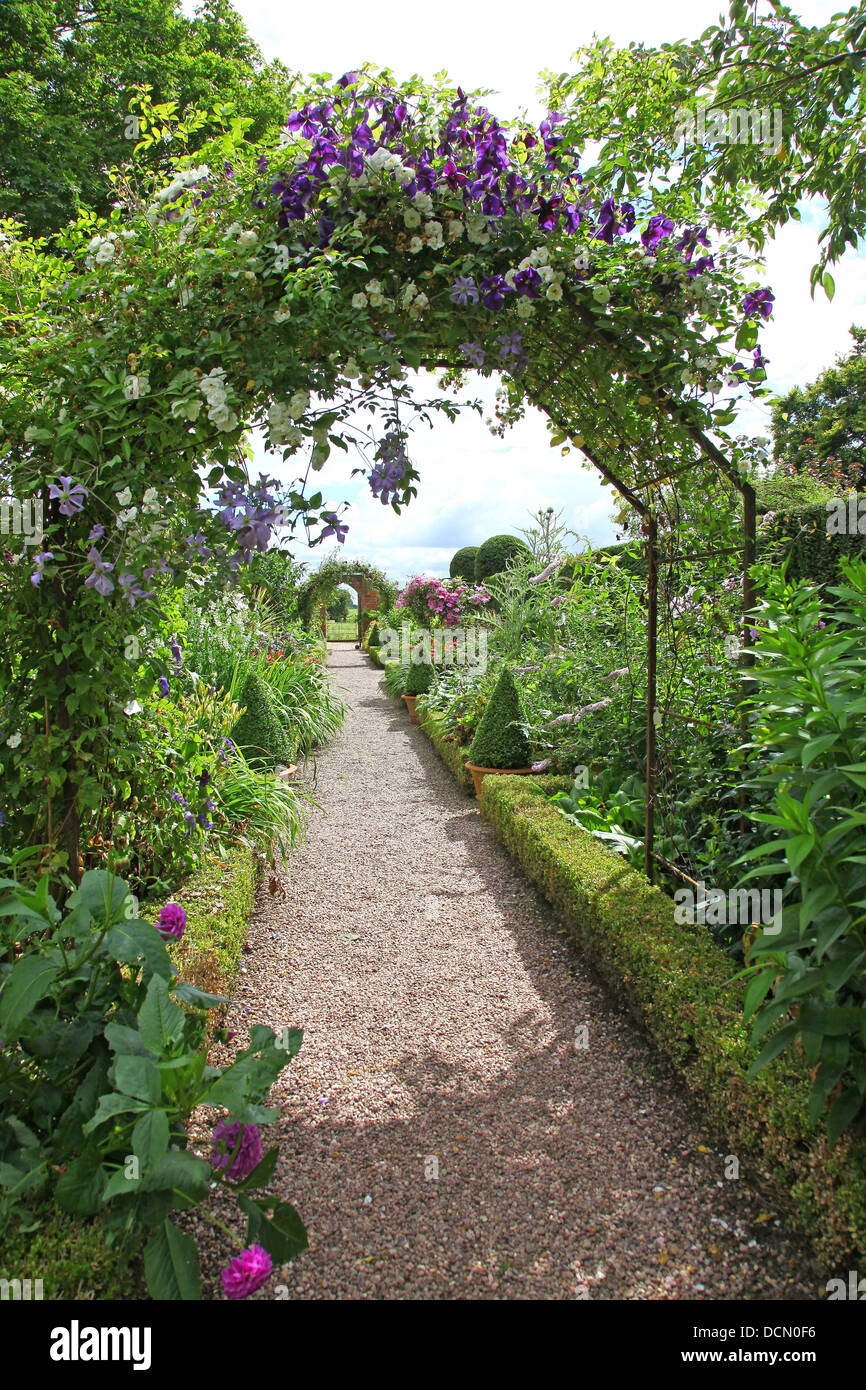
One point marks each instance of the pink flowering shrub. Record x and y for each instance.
(449, 600)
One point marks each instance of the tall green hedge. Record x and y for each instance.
(258, 732)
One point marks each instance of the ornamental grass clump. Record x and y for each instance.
(500, 740)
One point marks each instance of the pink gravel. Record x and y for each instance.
(442, 1132)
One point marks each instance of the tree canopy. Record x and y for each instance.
(820, 428)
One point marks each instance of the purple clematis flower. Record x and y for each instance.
(39, 565)
(474, 352)
(464, 290)
(334, 527)
(99, 579)
(657, 230)
(69, 494)
(758, 304)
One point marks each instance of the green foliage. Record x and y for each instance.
(104, 1060)
(259, 733)
(677, 984)
(822, 427)
(808, 979)
(463, 564)
(70, 75)
(500, 740)
(494, 555)
(419, 678)
(799, 536)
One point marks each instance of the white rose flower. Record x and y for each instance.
(14, 740)
(281, 314)
(376, 301)
(233, 230)
(455, 229)
(433, 235)
(373, 287)
(546, 273)
(359, 300)
(248, 240)
(525, 308)
(124, 497)
(410, 289)
(150, 502)
(129, 514)
(377, 160)
(419, 304)
(412, 218)
(415, 245)
(554, 292)
(424, 203)
(404, 175)
(299, 405)
(132, 707)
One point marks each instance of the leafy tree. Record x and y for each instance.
(643, 106)
(821, 428)
(68, 76)
(340, 607)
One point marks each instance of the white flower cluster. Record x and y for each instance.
(478, 230)
(247, 239)
(135, 386)
(283, 434)
(214, 389)
(383, 161)
(101, 250)
(183, 179)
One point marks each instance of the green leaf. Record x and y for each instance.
(771, 1050)
(150, 1139)
(160, 1020)
(137, 1076)
(80, 1188)
(844, 1111)
(30, 980)
(283, 1236)
(181, 1172)
(829, 284)
(171, 1265)
(110, 1106)
(262, 1173)
(102, 893)
(133, 940)
(191, 994)
(756, 990)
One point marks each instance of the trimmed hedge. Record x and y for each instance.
(463, 564)
(219, 899)
(493, 556)
(499, 739)
(453, 755)
(675, 982)
(258, 732)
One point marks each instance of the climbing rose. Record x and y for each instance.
(171, 921)
(248, 1154)
(246, 1273)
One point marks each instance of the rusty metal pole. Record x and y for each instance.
(651, 665)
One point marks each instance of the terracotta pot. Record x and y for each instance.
(410, 705)
(479, 773)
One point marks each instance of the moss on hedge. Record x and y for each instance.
(219, 899)
(70, 1257)
(675, 980)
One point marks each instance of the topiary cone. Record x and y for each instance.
(500, 745)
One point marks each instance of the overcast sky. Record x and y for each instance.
(472, 484)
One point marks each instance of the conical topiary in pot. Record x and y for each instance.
(500, 745)
(418, 682)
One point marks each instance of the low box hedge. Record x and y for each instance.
(675, 982)
(453, 755)
(218, 899)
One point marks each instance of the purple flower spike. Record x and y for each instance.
(247, 1272)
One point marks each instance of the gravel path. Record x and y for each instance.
(442, 1135)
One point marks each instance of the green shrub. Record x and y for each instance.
(676, 982)
(451, 752)
(374, 638)
(499, 739)
(419, 678)
(258, 733)
(463, 564)
(811, 735)
(493, 556)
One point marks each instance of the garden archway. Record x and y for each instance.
(293, 289)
